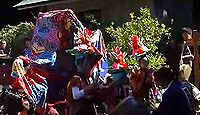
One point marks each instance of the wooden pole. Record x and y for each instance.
(196, 38)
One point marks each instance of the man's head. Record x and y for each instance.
(164, 76)
(75, 81)
(27, 43)
(187, 33)
(3, 44)
(143, 62)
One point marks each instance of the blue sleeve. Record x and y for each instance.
(27, 52)
(47, 58)
(77, 93)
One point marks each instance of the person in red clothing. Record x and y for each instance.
(142, 80)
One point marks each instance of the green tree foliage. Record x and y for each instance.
(14, 35)
(148, 29)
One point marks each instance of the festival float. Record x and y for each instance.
(58, 35)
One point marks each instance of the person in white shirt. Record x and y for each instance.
(77, 96)
(186, 61)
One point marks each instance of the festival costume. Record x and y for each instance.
(49, 32)
(59, 29)
(90, 53)
(119, 67)
(142, 80)
(139, 49)
(117, 89)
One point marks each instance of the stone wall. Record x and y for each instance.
(118, 10)
(111, 10)
(179, 10)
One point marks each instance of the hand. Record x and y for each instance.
(102, 86)
(50, 105)
(89, 88)
(25, 103)
(25, 59)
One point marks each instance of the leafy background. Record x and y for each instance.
(150, 32)
(15, 35)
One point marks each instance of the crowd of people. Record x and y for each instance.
(179, 96)
(123, 92)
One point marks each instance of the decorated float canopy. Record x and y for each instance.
(52, 27)
(62, 29)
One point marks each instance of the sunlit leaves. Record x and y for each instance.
(11, 32)
(14, 35)
(147, 28)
